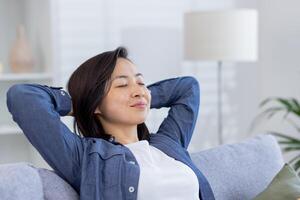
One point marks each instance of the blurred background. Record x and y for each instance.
(51, 38)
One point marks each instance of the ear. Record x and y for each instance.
(97, 111)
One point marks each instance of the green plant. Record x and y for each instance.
(287, 106)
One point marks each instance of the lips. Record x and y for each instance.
(139, 103)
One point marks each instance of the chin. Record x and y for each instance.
(140, 121)
(136, 118)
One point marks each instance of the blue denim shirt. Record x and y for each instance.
(96, 168)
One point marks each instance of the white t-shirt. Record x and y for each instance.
(161, 176)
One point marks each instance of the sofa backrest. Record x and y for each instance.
(240, 171)
(237, 171)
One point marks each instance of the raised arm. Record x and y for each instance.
(37, 109)
(181, 94)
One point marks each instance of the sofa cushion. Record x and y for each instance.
(20, 181)
(56, 188)
(23, 181)
(240, 170)
(285, 185)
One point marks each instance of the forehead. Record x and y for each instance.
(124, 67)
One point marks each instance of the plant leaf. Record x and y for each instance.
(267, 100)
(284, 136)
(296, 106)
(297, 165)
(289, 143)
(291, 105)
(294, 125)
(262, 115)
(288, 149)
(269, 111)
(286, 103)
(296, 158)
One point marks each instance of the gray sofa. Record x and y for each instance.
(237, 171)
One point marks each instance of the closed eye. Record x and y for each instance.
(122, 86)
(126, 85)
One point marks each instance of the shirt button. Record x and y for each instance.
(132, 162)
(131, 189)
(62, 93)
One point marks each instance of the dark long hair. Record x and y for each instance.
(87, 86)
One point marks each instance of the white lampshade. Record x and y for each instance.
(227, 35)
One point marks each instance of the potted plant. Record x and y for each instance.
(287, 106)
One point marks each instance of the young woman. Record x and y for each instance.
(113, 155)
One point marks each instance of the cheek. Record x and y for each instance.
(113, 103)
(148, 94)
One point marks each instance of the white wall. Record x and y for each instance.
(279, 64)
(280, 47)
(278, 68)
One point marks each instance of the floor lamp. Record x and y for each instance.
(221, 35)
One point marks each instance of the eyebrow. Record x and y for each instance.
(124, 76)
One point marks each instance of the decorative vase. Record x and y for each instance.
(21, 60)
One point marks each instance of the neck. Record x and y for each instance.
(123, 134)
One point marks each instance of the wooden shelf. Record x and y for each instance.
(24, 76)
(10, 130)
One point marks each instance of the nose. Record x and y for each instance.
(138, 91)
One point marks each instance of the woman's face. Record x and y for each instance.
(128, 99)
